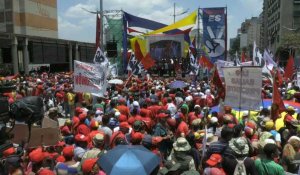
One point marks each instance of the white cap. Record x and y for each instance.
(117, 113)
(135, 103)
(214, 120)
(98, 112)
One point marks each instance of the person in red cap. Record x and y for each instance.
(145, 112)
(182, 127)
(89, 167)
(45, 171)
(161, 130)
(124, 128)
(122, 108)
(136, 138)
(94, 125)
(97, 149)
(214, 162)
(82, 127)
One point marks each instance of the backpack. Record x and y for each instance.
(240, 168)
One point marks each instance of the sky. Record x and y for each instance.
(74, 23)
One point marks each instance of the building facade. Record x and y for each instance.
(279, 17)
(29, 36)
(250, 32)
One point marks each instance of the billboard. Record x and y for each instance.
(215, 32)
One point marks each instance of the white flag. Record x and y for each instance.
(100, 58)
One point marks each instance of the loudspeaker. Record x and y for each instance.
(111, 48)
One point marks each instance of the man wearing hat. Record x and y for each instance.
(180, 154)
(97, 149)
(214, 165)
(240, 149)
(161, 130)
(124, 128)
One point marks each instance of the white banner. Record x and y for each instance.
(220, 64)
(90, 78)
(298, 79)
(243, 87)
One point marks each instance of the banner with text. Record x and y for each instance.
(214, 32)
(90, 78)
(243, 87)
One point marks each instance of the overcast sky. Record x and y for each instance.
(76, 24)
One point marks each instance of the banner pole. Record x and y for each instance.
(240, 101)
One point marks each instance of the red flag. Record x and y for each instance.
(279, 78)
(205, 62)
(289, 69)
(147, 61)
(137, 51)
(216, 80)
(98, 28)
(278, 105)
(243, 57)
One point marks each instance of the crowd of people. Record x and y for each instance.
(177, 125)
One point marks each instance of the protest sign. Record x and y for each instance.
(90, 78)
(243, 87)
(39, 136)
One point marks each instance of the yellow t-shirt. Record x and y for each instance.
(71, 98)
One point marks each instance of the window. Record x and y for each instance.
(2, 17)
(50, 52)
(8, 16)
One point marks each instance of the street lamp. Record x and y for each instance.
(178, 14)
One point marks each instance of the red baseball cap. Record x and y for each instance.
(81, 138)
(122, 118)
(214, 159)
(88, 165)
(45, 171)
(78, 110)
(94, 124)
(36, 155)
(9, 151)
(60, 159)
(124, 125)
(137, 137)
(68, 151)
(162, 115)
(82, 116)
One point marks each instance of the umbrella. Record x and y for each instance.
(115, 81)
(127, 160)
(177, 84)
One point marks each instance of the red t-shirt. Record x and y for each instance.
(182, 128)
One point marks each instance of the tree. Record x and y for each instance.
(235, 46)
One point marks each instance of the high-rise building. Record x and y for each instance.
(29, 17)
(29, 38)
(250, 32)
(278, 17)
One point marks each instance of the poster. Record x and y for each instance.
(90, 78)
(243, 87)
(214, 32)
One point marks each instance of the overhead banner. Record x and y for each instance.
(215, 32)
(90, 78)
(243, 87)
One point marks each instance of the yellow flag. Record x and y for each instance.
(142, 43)
(191, 19)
